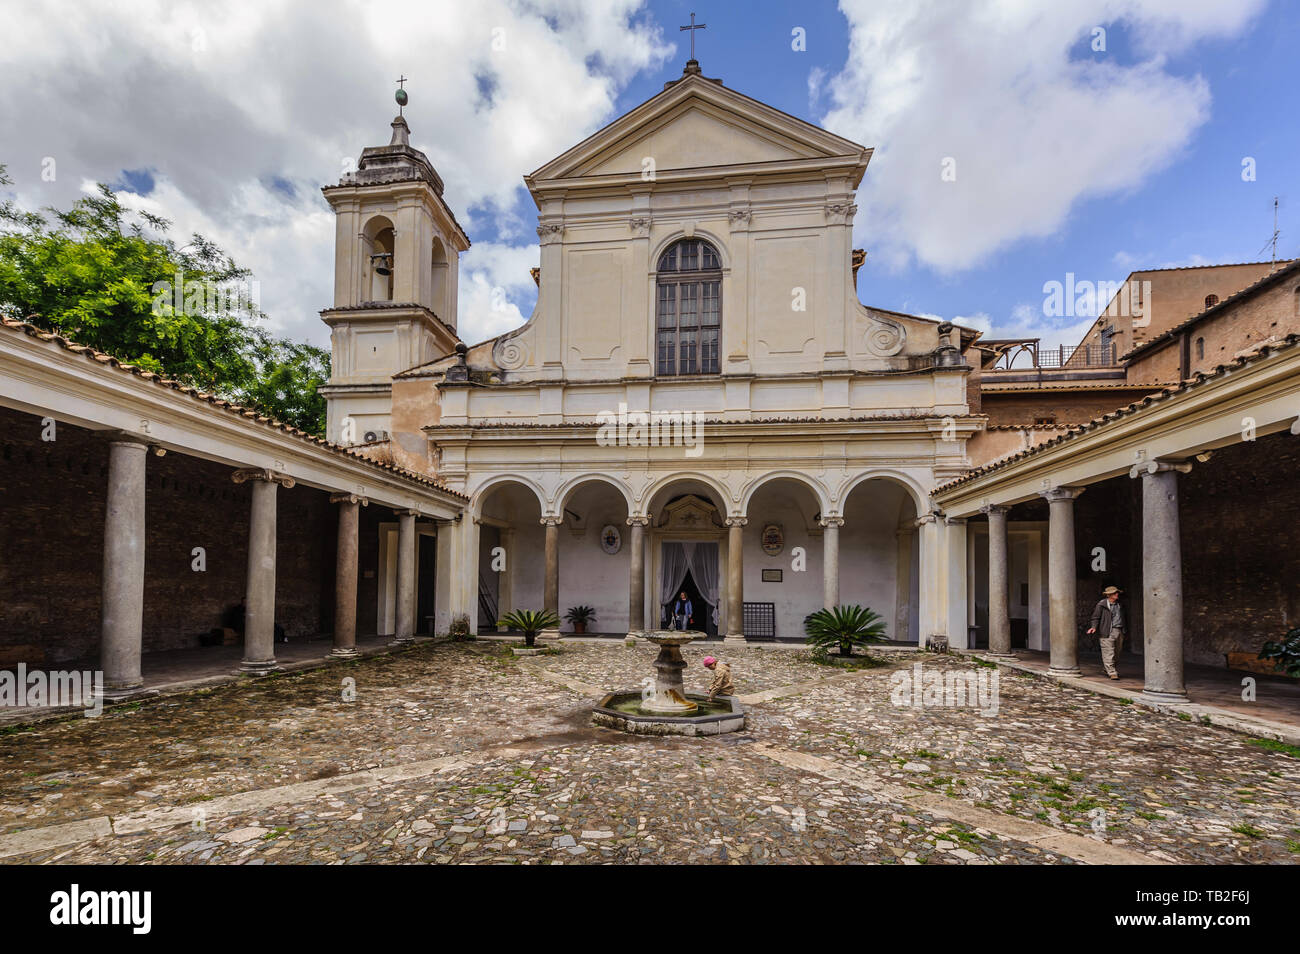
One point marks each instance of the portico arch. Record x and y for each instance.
(887, 552)
(484, 490)
(595, 549)
(790, 554)
(814, 486)
(689, 482)
(571, 485)
(508, 513)
(920, 496)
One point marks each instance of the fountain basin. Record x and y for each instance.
(623, 711)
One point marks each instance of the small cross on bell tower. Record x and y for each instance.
(400, 95)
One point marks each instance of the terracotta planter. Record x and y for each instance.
(579, 628)
(1250, 662)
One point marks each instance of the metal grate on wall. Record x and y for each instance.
(760, 621)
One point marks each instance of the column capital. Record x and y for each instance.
(955, 521)
(638, 520)
(831, 520)
(262, 473)
(1057, 494)
(736, 521)
(349, 498)
(1149, 468)
(126, 437)
(551, 521)
(407, 512)
(995, 510)
(925, 518)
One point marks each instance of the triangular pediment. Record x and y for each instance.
(698, 124)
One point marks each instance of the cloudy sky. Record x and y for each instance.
(1086, 136)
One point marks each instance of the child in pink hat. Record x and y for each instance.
(721, 684)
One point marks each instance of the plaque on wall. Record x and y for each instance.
(773, 539)
(610, 538)
(771, 576)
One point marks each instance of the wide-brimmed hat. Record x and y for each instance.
(1109, 590)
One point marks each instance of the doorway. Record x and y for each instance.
(690, 566)
(703, 612)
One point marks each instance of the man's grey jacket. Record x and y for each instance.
(1103, 617)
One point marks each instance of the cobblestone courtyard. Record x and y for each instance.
(464, 753)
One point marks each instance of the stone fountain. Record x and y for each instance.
(662, 706)
(669, 694)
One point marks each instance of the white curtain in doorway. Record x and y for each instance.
(704, 570)
(676, 564)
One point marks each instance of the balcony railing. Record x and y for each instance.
(1079, 356)
(1027, 355)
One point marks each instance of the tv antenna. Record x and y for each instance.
(1276, 235)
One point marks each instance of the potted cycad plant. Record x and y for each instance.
(530, 623)
(1284, 654)
(843, 627)
(580, 616)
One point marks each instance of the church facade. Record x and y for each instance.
(699, 402)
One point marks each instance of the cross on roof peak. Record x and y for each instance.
(692, 28)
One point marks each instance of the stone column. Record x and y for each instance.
(999, 613)
(636, 577)
(345, 575)
(259, 598)
(551, 593)
(1061, 582)
(903, 590)
(831, 524)
(122, 622)
(1162, 581)
(406, 557)
(735, 580)
(929, 579)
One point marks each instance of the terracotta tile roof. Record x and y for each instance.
(1100, 386)
(1246, 292)
(1189, 268)
(1027, 427)
(249, 413)
(1077, 430)
(712, 422)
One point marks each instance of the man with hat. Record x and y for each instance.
(1108, 619)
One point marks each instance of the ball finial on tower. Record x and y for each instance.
(401, 95)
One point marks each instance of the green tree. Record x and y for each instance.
(104, 276)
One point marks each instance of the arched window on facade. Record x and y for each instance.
(1200, 349)
(688, 309)
(1211, 301)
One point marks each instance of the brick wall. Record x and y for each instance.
(1240, 522)
(1240, 518)
(1268, 314)
(51, 547)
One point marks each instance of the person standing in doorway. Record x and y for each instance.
(683, 612)
(1108, 619)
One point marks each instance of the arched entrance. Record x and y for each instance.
(880, 555)
(510, 530)
(687, 540)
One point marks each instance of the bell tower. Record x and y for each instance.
(396, 263)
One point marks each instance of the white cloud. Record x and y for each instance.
(243, 110)
(992, 85)
(492, 277)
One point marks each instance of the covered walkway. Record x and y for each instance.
(1212, 691)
